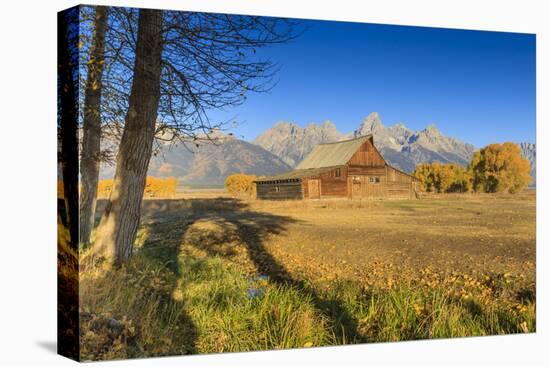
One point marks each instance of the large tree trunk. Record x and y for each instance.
(117, 230)
(90, 155)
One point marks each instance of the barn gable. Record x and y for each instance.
(332, 154)
(367, 155)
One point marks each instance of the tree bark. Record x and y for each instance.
(117, 230)
(91, 127)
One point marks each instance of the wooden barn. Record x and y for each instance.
(345, 169)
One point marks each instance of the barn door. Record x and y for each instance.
(313, 189)
(374, 187)
(356, 187)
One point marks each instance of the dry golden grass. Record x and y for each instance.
(321, 272)
(366, 240)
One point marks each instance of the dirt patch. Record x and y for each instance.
(362, 240)
(467, 234)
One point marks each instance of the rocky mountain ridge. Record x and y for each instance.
(286, 144)
(401, 146)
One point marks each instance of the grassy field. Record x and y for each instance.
(213, 273)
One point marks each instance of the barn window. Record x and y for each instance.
(374, 179)
(337, 172)
(276, 188)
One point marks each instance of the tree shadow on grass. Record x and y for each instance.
(169, 330)
(168, 221)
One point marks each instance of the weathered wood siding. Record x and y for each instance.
(333, 185)
(279, 191)
(370, 171)
(362, 187)
(367, 155)
(378, 182)
(397, 176)
(314, 188)
(399, 184)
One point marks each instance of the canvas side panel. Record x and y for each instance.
(67, 193)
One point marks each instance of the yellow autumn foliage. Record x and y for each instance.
(499, 168)
(154, 187)
(439, 177)
(104, 188)
(494, 168)
(160, 187)
(241, 184)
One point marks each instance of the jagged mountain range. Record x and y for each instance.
(401, 146)
(292, 143)
(283, 146)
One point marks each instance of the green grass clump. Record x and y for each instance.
(406, 312)
(209, 305)
(206, 306)
(229, 319)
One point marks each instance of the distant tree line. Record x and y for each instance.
(494, 168)
(154, 187)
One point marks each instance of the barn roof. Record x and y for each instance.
(296, 174)
(323, 157)
(332, 154)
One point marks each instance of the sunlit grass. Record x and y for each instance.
(212, 306)
(193, 285)
(235, 312)
(405, 312)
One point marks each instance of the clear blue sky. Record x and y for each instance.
(475, 86)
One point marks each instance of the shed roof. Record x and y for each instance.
(332, 154)
(296, 174)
